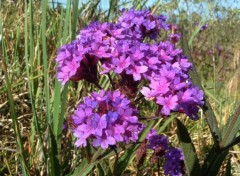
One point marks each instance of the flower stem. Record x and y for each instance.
(111, 81)
(96, 84)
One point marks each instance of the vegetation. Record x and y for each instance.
(34, 107)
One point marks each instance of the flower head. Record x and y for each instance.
(105, 118)
(174, 162)
(121, 48)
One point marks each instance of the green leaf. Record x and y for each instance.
(84, 168)
(45, 60)
(213, 162)
(190, 156)
(54, 162)
(101, 170)
(165, 124)
(75, 17)
(113, 8)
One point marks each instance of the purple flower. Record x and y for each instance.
(190, 100)
(168, 103)
(69, 68)
(160, 68)
(173, 157)
(136, 54)
(160, 86)
(219, 49)
(104, 141)
(174, 162)
(149, 95)
(159, 142)
(142, 23)
(104, 119)
(164, 56)
(174, 38)
(205, 26)
(136, 71)
(121, 63)
(151, 133)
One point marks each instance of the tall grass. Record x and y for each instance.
(34, 107)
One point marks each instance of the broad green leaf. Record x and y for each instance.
(190, 156)
(213, 162)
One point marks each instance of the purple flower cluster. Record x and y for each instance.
(173, 157)
(159, 143)
(120, 48)
(142, 24)
(104, 119)
(108, 42)
(169, 83)
(174, 162)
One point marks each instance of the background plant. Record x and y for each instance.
(36, 106)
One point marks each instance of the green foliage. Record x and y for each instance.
(190, 156)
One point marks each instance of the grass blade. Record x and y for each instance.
(75, 18)
(29, 65)
(232, 128)
(60, 100)
(113, 8)
(156, 6)
(45, 60)
(15, 122)
(196, 31)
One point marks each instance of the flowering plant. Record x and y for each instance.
(130, 50)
